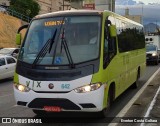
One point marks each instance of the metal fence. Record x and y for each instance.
(15, 14)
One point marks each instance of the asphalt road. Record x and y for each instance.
(8, 106)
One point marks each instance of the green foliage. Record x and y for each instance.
(26, 7)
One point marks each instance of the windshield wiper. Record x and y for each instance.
(69, 57)
(45, 48)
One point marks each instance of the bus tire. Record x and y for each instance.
(136, 84)
(106, 110)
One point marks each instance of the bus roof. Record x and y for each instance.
(84, 12)
(124, 18)
(70, 12)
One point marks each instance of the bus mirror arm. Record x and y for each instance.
(22, 27)
(18, 35)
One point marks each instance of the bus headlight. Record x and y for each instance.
(22, 88)
(154, 54)
(88, 88)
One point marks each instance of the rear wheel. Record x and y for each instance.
(136, 84)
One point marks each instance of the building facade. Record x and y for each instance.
(77, 4)
(99, 5)
(105, 5)
(48, 6)
(136, 18)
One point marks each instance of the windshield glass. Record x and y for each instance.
(150, 48)
(81, 33)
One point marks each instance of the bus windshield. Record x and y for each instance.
(81, 35)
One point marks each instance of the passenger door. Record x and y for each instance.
(109, 56)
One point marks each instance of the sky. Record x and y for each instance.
(149, 12)
(135, 2)
(147, 1)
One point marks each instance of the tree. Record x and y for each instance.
(26, 7)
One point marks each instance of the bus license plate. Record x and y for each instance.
(52, 108)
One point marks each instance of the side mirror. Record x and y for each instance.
(18, 36)
(112, 30)
(18, 39)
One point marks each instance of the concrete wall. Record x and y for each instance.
(8, 29)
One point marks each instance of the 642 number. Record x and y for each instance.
(65, 86)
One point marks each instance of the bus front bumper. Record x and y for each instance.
(71, 101)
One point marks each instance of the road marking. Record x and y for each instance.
(6, 95)
(130, 103)
(151, 105)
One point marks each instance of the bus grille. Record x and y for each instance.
(63, 103)
(55, 75)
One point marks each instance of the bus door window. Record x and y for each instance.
(110, 47)
(112, 44)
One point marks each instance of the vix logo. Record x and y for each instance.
(36, 84)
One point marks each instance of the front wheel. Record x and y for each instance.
(106, 110)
